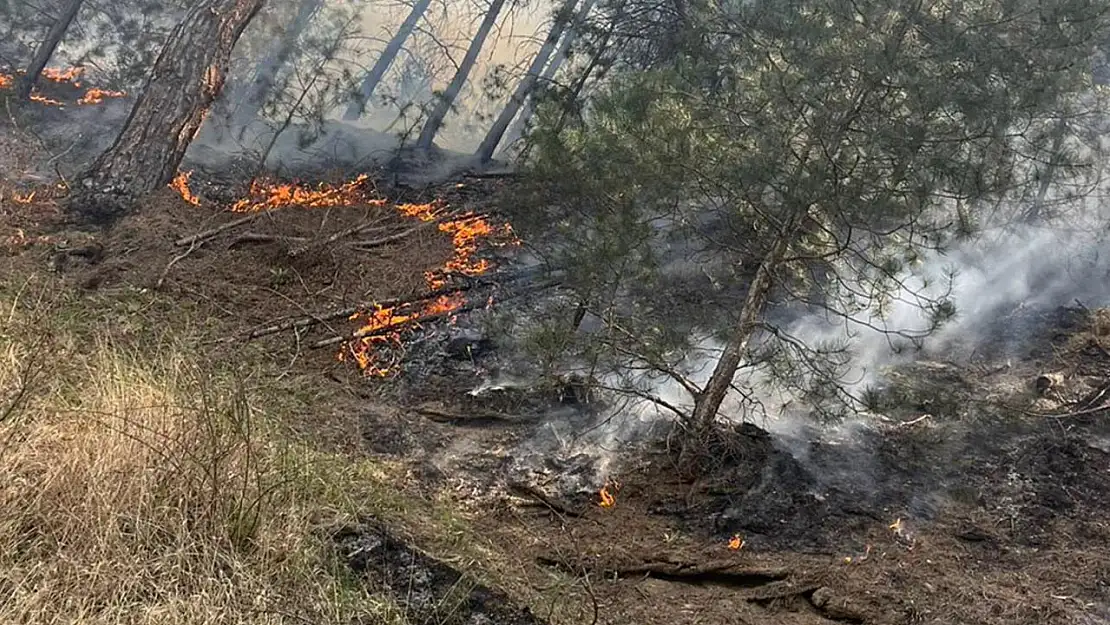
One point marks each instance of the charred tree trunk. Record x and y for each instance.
(47, 47)
(521, 124)
(447, 99)
(187, 76)
(265, 74)
(374, 77)
(526, 85)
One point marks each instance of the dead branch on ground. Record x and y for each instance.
(534, 492)
(724, 572)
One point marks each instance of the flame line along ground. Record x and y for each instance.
(308, 321)
(416, 320)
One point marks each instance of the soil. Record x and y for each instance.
(964, 499)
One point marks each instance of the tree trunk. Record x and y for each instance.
(265, 74)
(526, 85)
(186, 78)
(374, 77)
(447, 99)
(47, 47)
(516, 131)
(708, 402)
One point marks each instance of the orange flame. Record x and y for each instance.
(96, 96)
(736, 543)
(6, 80)
(265, 195)
(69, 74)
(23, 199)
(180, 184)
(41, 99)
(608, 497)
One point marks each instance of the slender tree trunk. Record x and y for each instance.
(186, 78)
(517, 129)
(447, 99)
(374, 77)
(708, 402)
(265, 74)
(1035, 213)
(47, 47)
(526, 85)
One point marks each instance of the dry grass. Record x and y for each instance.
(150, 488)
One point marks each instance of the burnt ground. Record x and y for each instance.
(965, 498)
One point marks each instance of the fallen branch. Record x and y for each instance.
(258, 237)
(323, 317)
(200, 237)
(364, 246)
(722, 572)
(412, 321)
(476, 418)
(346, 232)
(534, 492)
(361, 333)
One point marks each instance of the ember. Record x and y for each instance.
(736, 543)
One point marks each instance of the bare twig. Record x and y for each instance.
(386, 240)
(346, 232)
(208, 234)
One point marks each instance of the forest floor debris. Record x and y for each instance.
(981, 504)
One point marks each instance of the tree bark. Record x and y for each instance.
(526, 85)
(447, 99)
(548, 76)
(47, 47)
(266, 73)
(385, 60)
(187, 76)
(708, 402)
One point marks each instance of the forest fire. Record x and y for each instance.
(378, 342)
(265, 195)
(69, 77)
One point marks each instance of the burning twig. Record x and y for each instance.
(311, 320)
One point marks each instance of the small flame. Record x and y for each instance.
(180, 184)
(608, 493)
(96, 96)
(6, 80)
(736, 543)
(69, 74)
(41, 99)
(23, 199)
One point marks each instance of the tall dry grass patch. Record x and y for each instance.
(148, 488)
